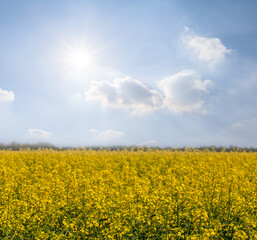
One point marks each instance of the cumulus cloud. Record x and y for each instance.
(125, 93)
(106, 135)
(6, 96)
(209, 50)
(39, 133)
(184, 91)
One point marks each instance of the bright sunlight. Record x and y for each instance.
(80, 59)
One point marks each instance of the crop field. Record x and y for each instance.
(128, 194)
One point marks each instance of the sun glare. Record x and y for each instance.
(80, 59)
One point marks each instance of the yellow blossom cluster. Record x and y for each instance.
(128, 194)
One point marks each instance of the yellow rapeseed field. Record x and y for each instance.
(127, 194)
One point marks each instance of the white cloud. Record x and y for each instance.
(184, 91)
(245, 126)
(151, 143)
(186, 28)
(209, 50)
(39, 133)
(125, 93)
(106, 135)
(242, 132)
(6, 96)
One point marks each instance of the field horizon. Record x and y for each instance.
(47, 145)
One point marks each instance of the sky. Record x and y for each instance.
(140, 72)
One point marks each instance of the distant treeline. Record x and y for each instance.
(15, 146)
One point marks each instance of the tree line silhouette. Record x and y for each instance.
(15, 146)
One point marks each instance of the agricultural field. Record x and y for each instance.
(128, 194)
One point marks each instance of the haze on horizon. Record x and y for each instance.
(158, 73)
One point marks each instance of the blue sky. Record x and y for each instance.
(165, 73)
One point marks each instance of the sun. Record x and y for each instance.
(80, 59)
